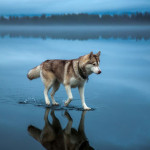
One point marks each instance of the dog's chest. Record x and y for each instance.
(74, 82)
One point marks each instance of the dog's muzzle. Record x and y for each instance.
(99, 72)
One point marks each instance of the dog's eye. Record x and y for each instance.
(94, 64)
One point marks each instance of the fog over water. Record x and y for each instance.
(77, 32)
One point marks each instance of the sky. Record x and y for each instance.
(27, 7)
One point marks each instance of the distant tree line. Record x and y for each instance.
(76, 19)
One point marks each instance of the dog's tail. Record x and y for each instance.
(34, 73)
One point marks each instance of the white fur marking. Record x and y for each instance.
(70, 97)
(81, 91)
(95, 69)
(75, 82)
(46, 96)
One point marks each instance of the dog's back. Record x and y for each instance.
(55, 67)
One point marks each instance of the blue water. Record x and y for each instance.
(119, 97)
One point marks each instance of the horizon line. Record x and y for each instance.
(95, 13)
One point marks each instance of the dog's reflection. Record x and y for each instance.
(53, 137)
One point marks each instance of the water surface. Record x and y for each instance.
(120, 96)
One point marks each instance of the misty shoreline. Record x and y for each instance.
(77, 32)
(137, 18)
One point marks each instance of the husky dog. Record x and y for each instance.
(71, 73)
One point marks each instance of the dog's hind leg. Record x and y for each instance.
(70, 97)
(48, 79)
(56, 86)
(47, 101)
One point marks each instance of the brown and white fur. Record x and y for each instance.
(71, 73)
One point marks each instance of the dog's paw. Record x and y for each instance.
(66, 103)
(55, 104)
(48, 103)
(86, 108)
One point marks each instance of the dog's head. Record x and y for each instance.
(91, 63)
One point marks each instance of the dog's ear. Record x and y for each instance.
(98, 54)
(91, 55)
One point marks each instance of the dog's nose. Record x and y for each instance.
(99, 71)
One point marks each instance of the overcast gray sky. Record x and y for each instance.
(16, 7)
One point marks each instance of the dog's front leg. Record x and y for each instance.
(81, 91)
(70, 97)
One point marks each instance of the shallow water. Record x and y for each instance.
(119, 97)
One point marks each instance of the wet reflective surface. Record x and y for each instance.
(52, 136)
(119, 97)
